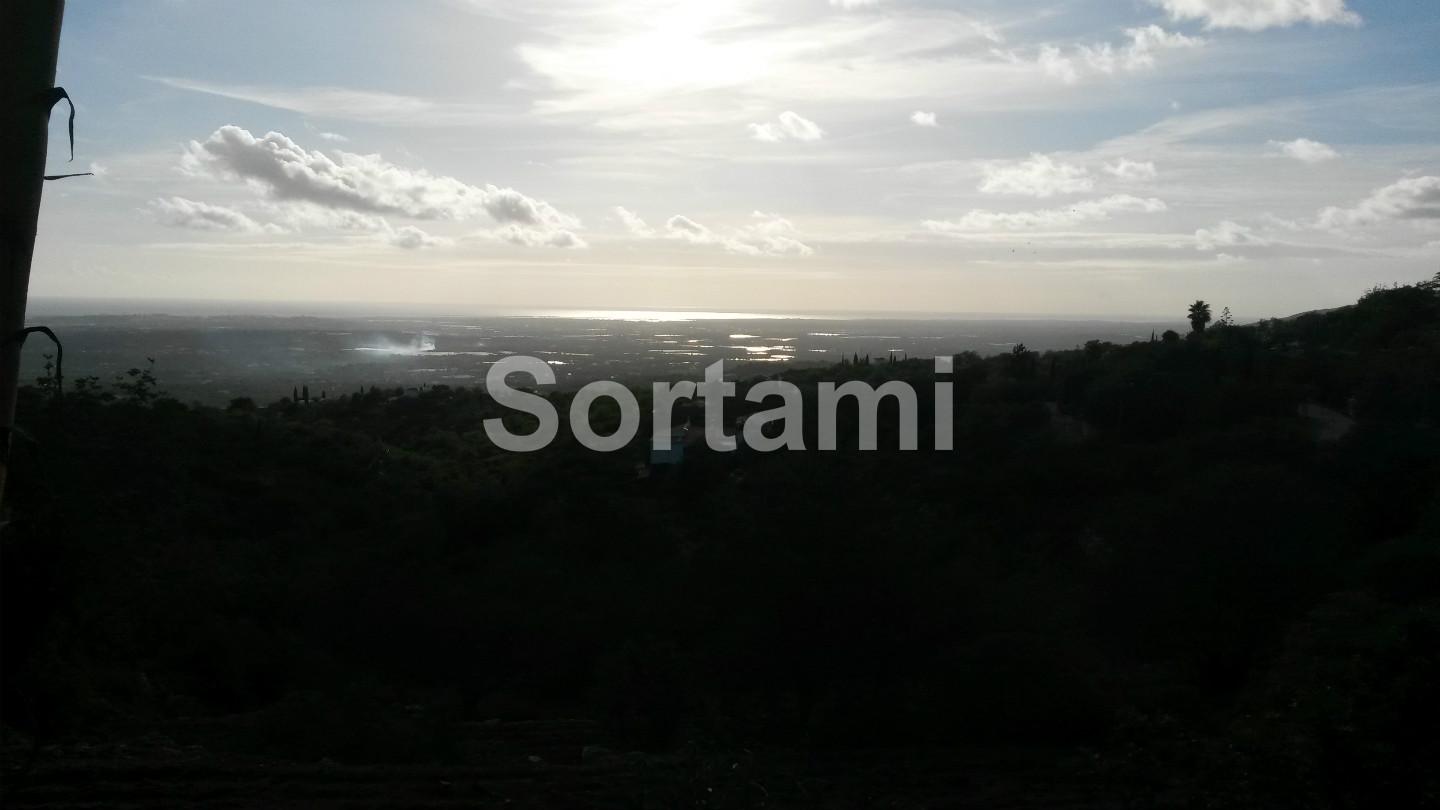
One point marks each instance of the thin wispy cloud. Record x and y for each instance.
(180, 212)
(1228, 234)
(344, 103)
(764, 235)
(1098, 210)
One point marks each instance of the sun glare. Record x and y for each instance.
(681, 46)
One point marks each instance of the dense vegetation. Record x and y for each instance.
(1146, 550)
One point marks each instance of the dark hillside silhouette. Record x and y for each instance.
(1145, 569)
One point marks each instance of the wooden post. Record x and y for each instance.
(29, 46)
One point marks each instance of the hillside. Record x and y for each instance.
(1142, 569)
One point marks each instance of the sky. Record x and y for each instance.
(1086, 157)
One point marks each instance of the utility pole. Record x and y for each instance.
(29, 47)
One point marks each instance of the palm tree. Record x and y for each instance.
(1199, 316)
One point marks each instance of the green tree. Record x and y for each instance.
(139, 385)
(1199, 316)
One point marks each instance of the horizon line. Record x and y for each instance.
(219, 307)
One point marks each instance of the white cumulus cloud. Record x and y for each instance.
(633, 223)
(1414, 199)
(1056, 64)
(1131, 170)
(285, 172)
(1257, 15)
(1305, 150)
(1038, 176)
(790, 125)
(412, 238)
(1139, 53)
(920, 118)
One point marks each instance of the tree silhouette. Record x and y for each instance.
(1199, 316)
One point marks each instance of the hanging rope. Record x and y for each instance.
(55, 96)
(19, 337)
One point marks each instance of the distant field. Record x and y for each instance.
(215, 358)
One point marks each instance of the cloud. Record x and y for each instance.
(1105, 58)
(1415, 199)
(1039, 176)
(1305, 150)
(920, 118)
(285, 172)
(366, 183)
(633, 223)
(1139, 53)
(185, 213)
(769, 236)
(1147, 41)
(766, 235)
(410, 237)
(531, 237)
(766, 133)
(981, 221)
(333, 136)
(344, 103)
(1257, 15)
(852, 4)
(1056, 64)
(180, 212)
(662, 68)
(688, 229)
(1227, 234)
(789, 126)
(302, 216)
(1135, 171)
